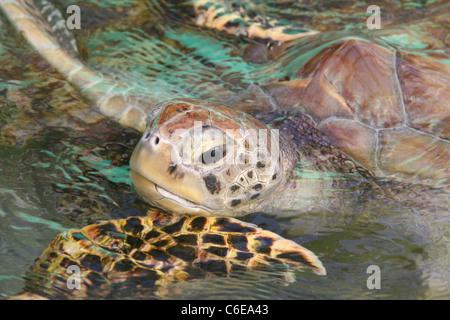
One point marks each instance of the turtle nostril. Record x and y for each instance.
(152, 137)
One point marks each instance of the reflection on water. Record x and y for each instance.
(59, 170)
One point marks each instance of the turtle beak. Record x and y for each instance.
(161, 180)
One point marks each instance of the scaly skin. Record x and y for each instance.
(149, 252)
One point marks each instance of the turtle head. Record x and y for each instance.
(198, 157)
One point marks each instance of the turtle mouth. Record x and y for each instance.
(170, 195)
(154, 194)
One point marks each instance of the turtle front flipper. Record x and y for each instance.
(138, 255)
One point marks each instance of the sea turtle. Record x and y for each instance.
(161, 247)
(356, 103)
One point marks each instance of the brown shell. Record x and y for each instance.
(162, 248)
(386, 109)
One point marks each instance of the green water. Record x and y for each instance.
(58, 172)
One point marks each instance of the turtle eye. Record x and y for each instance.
(213, 155)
